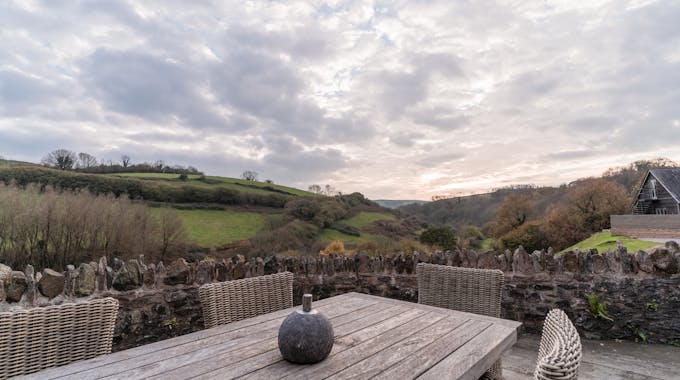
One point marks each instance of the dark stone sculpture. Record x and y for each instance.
(305, 336)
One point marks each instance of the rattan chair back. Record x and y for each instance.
(559, 354)
(44, 337)
(471, 290)
(230, 301)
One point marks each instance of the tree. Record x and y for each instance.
(316, 189)
(172, 231)
(125, 160)
(86, 160)
(329, 191)
(515, 210)
(249, 175)
(585, 209)
(60, 159)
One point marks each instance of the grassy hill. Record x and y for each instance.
(215, 181)
(603, 241)
(358, 221)
(218, 211)
(159, 188)
(396, 203)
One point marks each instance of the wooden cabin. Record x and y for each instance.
(659, 193)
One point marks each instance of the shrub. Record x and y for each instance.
(471, 237)
(336, 247)
(290, 235)
(321, 212)
(529, 235)
(442, 237)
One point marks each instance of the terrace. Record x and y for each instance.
(638, 297)
(602, 359)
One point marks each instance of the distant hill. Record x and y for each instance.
(470, 210)
(480, 209)
(396, 203)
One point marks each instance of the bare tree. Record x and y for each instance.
(125, 160)
(86, 160)
(63, 159)
(172, 231)
(249, 175)
(330, 191)
(316, 189)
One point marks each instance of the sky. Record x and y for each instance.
(396, 100)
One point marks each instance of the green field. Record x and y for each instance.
(242, 183)
(364, 218)
(604, 241)
(213, 228)
(229, 183)
(155, 175)
(359, 221)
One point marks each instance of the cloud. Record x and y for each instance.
(394, 100)
(150, 87)
(20, 92)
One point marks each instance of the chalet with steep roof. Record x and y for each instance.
(659, 193)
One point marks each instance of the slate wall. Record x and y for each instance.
(641, 289)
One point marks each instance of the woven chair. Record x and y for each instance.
(559, 354)
(44, 337)
(230, 301)
(465, 289)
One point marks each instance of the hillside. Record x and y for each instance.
(229, 213)
(396, 203)
(480, 209)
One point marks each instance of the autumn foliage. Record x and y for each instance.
(584, 209)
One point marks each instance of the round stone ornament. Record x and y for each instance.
(305, 336)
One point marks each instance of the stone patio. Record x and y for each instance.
(602, 359)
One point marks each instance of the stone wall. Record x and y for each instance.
(641, 289)
(646, 226)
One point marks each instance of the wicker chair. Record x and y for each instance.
(43, 337)
(465, 289)
(230, 301)
(559, 354)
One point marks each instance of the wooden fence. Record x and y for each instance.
(646, 226)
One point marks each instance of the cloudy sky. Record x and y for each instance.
(400, 100)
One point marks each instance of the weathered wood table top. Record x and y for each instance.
(375, 337)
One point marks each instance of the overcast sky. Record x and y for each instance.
(400, 100)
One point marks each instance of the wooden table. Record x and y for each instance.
(375, 337)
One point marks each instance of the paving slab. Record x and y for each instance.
(602, 359)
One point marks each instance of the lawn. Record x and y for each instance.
(604, 241)
(212, 228)
(363, 219)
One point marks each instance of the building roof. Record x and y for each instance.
(670, 179)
